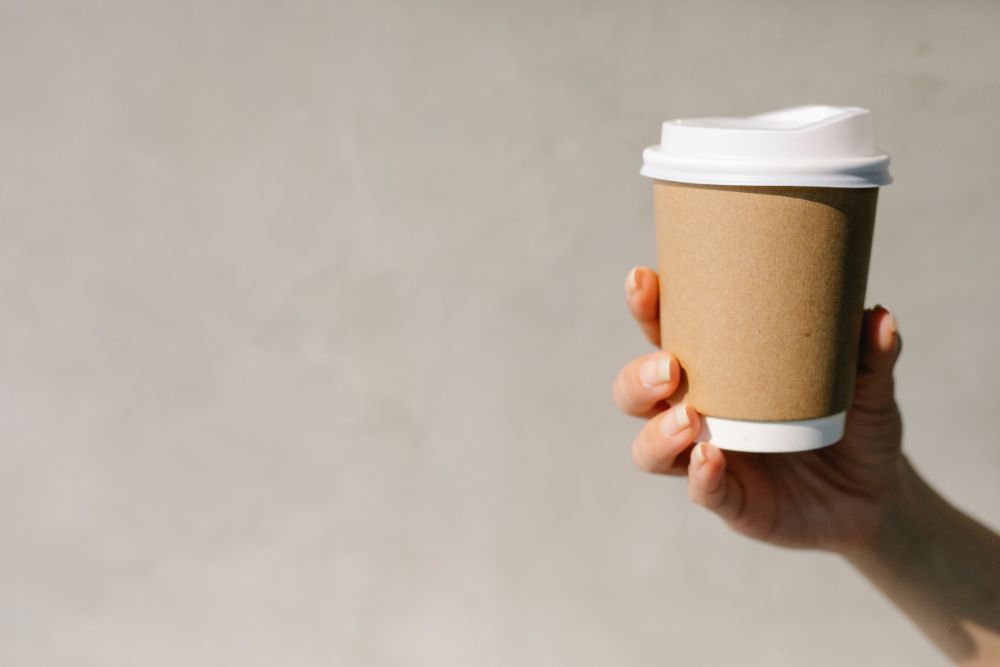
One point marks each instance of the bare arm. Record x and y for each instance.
(941, 568)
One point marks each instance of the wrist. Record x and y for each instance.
(902, 518)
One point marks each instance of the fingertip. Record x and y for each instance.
(704, 477)
(694, 420)
(642, 295)
(644, 274)
(697, 457)
(638, 281)
(712, 454)
(647, 281)
(884, 334)
(711, 486)
(631, 282)
(660, 371)
(880, 337)
(644, 382)
(664, 439)
(888, 331)
(706, 466)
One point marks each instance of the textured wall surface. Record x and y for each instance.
(311, 311)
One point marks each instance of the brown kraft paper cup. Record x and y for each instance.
(761, 295)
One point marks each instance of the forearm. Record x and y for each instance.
(940, 567)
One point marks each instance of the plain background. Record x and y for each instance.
(311, 312)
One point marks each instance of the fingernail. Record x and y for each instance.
(893, 322)
(698, 455)
(682, 417)
(888, 331)
(631, 283)
(655, 372)
(676, 421)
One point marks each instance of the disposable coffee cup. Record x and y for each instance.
(764, 228)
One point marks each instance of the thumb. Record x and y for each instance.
(879, 349)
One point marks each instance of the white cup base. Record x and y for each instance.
(759, 436)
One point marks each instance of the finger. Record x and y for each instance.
(644, 382)
(711, 485)
(642, 293)
(664, 438)
(880, 348)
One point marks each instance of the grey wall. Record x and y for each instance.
(311, 310)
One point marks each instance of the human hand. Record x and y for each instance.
(831, 498)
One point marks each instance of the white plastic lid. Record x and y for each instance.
(813, 145)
